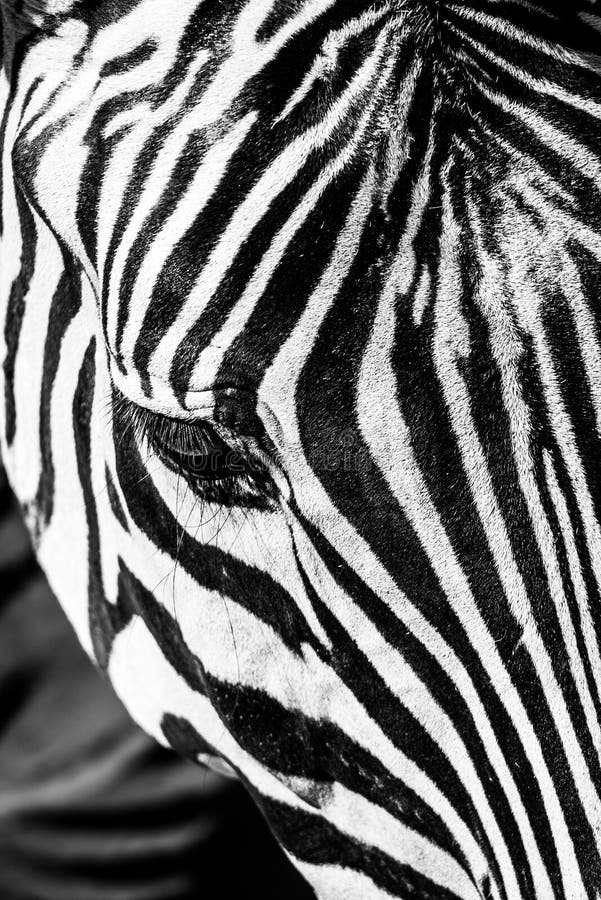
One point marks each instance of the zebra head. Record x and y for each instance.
(301, 395)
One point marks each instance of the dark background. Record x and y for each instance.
(90, 807)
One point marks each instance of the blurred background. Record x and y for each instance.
(90, 807)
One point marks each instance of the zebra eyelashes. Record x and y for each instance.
(223, 472)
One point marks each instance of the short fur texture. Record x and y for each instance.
(359, 244)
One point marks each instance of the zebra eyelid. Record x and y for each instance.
(161, 430)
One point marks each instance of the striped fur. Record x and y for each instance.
(359, 243)
(91, 808)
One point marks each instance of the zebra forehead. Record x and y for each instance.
(253, 114)
(226, 174)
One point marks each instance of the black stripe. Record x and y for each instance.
(15, 312)
(65, 304)
(114, 500)
(314, 840)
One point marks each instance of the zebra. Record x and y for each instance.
(301, 398)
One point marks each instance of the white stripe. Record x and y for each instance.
(253, 208)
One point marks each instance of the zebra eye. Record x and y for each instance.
(196, 450)
(219, 471)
